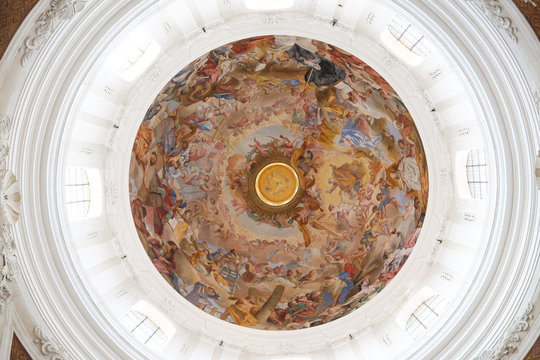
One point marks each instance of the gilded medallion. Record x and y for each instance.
(276, 184)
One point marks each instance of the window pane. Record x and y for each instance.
(145, 330)
(477, 173)
(424, 315)
(77, 192)
(410, 37)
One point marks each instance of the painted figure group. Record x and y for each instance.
(348, 136)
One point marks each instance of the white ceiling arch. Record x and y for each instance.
(478, 81)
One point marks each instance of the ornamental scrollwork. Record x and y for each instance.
(49, 347)
(492, 10)
(7, 261)
(10, 203)
(511, 340)
(46, 24)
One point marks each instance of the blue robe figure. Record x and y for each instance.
(344, 276)
(327, 296)
(358, 138)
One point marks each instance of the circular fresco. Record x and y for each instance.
(278, 183)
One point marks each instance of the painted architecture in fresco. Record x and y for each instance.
(278, 183)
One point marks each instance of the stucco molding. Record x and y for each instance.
(10, 197)
(10, 202)
(512, 338)
(116, 347)
(49, 347)
(205, 31)
(7, 271)
(46, 24)
(271, 17)
(493, 11)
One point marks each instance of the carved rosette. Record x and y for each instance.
(10, 204)
(10, 197)
(271, 17)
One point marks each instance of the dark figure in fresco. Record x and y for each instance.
(152, 111)
(201, 295)
(163, 258)
(322, 71)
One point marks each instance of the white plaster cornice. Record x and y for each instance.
(46, 24)
(10, 200)
(49, 347)
(46, 101)
(512, 339)
(493, 10)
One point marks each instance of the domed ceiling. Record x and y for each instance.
(278, 183)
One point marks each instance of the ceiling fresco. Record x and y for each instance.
(278, 183)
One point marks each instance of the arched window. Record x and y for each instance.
(477, 173)
(134, 55)
(77, 191)
(408, 36)
(424, 315)
(145, 330)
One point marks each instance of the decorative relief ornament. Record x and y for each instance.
(10, 204)
(7, 261)
(435, 73)
(154, 72)
(492, 10)
(5, 126)
(287, 348)
(403, 295)
(48, 347)
(370, 17)
(444, 222)
(111, 192)
(117, 122)
(447, 176)
(430, 109)
(168, 306)
(46, 24)
(205, 30)
(111, 196)
(10, 197)
(511, 340)
(389, 59)
(333, 23)
(270, 17)
(113, 135)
